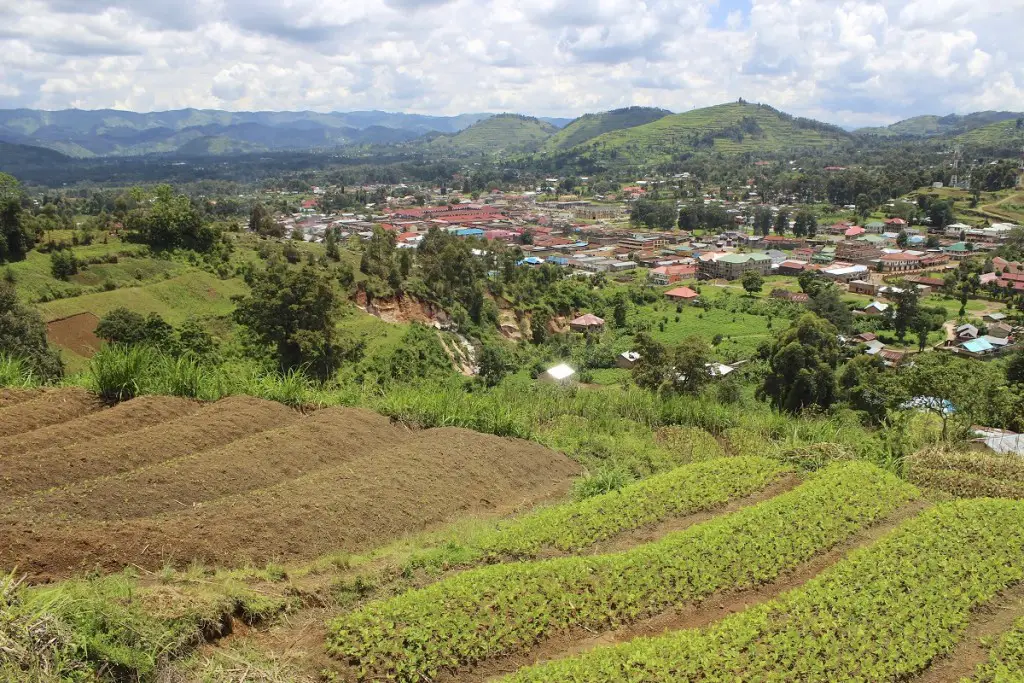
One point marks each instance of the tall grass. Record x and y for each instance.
(15, 373)
(119, 373)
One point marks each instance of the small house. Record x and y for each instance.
(587, 323)
(681, 294)
(559, 374)
(875, 308)
(994, 317)
(627, 360)
(967, 331)
(999, 330)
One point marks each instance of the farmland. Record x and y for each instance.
(337, 540)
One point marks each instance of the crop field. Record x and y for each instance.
(245, 540)
(156, 481)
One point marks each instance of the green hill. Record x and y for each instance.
(930, 126)
(14, 156)
(500, 133)
(733, 128)
(1004, 133)
(589, 126)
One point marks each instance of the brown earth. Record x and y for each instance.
(130, 416)
(697, 615)
(10, 397)
(363, 503)
(328, 438)
(402, 309)
(76, 333)
(51, 407)
(211, 427)
(987, 622)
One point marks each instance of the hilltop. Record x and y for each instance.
(932, 126)
(501, 133)
(732, 128)
(589, 126)
(12, 154)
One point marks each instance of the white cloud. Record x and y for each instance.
(853, 62)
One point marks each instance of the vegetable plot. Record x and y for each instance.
(506, 608)
(682, 491)
(1006, 663)
(882, 614)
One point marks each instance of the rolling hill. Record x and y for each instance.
(14, 156)
(931, 126)
(1008, 133)
(732, 128)
(589, 126)
(500, 133)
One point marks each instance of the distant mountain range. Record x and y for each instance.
(634, 135)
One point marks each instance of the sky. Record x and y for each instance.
(852, 63)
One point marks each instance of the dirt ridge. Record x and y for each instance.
(51, 407)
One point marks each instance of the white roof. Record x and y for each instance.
(878, 304)
(561, 371)
(631, 356)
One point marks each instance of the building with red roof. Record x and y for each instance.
(681, 294)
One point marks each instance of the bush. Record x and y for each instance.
(63, 264)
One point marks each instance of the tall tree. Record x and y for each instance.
(16, 238)
(23, 336)
(781, 222)
(802, 366)
(762, 221)
(294, 312)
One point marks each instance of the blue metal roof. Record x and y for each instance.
(978, 346)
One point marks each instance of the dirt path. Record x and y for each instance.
(684, 617)
(989, 621)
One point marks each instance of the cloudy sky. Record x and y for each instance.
(855, 62)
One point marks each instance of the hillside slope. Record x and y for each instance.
(931, 125)
(1008, 133)
(13, 156)
(733, 128)
(589, 126)
(501, 133)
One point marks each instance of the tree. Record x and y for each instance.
(861, 385)
(620, 310)
(811, 282)
(906, 308)
(956, 390)
(690, 372)
(494, 364)
(658, 215)
(1015, 368)
(16, 238)
(654, 367)
(902, 239)
(801, 366)
(23, 336)
(762, 221)
(826, 303)
(539, 327)
(941, 213)
(752, 281)
(172, 222)
(331, 245)
(781, 222)
(63, 264)
(122, 326)
(805, 224)
(295, 313)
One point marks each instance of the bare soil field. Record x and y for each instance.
(212, 426)
(76, 333)
(47, 408)
(9, 397)
(243, 480)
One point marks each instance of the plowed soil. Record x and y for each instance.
(76, 333)
(49, 408)
(368, 500)
(133, 415)
(213, 426)
(9, 397)
(328, 438)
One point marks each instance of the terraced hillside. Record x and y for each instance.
(1003, 134)
(500, 133)
(728, 128)
(740, 567)
(589, 126)
(931, 126)
(164, 480)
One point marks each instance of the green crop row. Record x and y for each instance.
(1006, 662)
(684, 490)
(882, 614)
(506, 608)
(967, 474)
